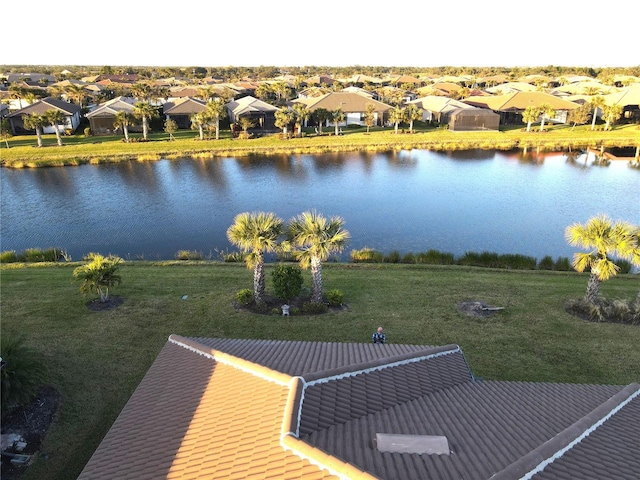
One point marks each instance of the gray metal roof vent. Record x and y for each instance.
(420, 444)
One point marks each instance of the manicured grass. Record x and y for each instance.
(96, 359)
(79, 149)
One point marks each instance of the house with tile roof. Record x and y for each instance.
(102, 117)
(180, 110)
(71, 112)
(262, 113)
(354, 105)
(220, 408)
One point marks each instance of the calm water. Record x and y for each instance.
(409, 201)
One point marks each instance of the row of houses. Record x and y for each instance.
(476, 112)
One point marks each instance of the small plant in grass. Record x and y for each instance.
(366, 255)
(99, 274)
(335, 297)
(244, 296)
(409, 258)
(603, 310)
(314, 308)
(287, 281)
(22, 371)
(8, 256)
(392, 257)
(435, 257)
(189, 255)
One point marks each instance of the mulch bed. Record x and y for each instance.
(476, 308)
(112, 302)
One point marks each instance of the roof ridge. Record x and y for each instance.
(377, 364)
(247, 366)
(536, 460)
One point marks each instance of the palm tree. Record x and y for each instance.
(146, 112)
(611, 114)
(596, 103)
(412, 113)
(396, 115)
(630, 249)
(99, 274)
(337, 116)
(284, 117)
(199, 120)
(245, 122)
(33, 121)
(546, 111)
(369, 115)
(123, 119)
(530, 115)
(321, 115)
(215, 110)
(318, 239)
(256, 234)
(604, 238)
(55, 118)
(302, 114)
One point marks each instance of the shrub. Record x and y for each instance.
(233, 257)
(8, 256)
(546, 263)
(87, 132)
(314, 308)
(392, 257)
(287, 281)
(244, 296)
(616, 311)
(366, 255)
(189, 255)
(294, 311)
(409, 258)
(275, 311)
(562, 264)
(335, 297)
(434, 257)
(517, 261)
(22, 372)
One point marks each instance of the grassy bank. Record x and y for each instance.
(96, 359)
(78, 149)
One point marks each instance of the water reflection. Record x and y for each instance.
(407, 200)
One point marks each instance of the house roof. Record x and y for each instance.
(626, 96)
(49, 103)
(439, 104)
(517, 101)
(113, 106)
(184, 106)
(247, 105)
(230, 408)
(346, 101)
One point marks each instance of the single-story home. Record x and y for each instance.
(262, 113)
(102, 118)
(474, 118)
(435, 107)
(354, 105)
(180, 110)
(71, 111)
(628, 98)
(511, 106)
(219, 408)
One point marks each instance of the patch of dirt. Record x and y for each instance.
(112, 302)
(31, 423)
(476, 308)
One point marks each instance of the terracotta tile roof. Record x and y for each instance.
(226, 408)
(347, 101)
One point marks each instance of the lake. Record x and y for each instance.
(410, 201)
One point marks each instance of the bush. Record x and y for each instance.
(244, 296)
(562, 265)
(409, 258)
(335, 297)
(393, 257)
(87, 132)
(294, 311)
(314, 308)
(616, 311)
(287, 281)
(189, 255)
(233, 257)
(8, 256)
(434, 257)
(22, 372)
(366, 255)
(546, 263)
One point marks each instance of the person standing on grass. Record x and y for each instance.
(379, 336)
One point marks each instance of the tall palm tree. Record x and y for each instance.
(396, 115)
(546, 111)
(369, 115)
(256, 234)
(321, 115)
(302, 114)
(630, 249)
(596, 103)
(123, 119)
(215, 111)
(530, 115)
(284, 117)
(33, 121)
(55, 118)
(337, 116)
(611, 114)
(604, 238)
(317, 238)
(145, 111)
(199, 120)
(412, 113)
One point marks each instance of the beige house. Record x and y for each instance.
(354, 105)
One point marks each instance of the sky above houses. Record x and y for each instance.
(416, 33)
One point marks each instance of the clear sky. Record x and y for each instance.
(419, 33)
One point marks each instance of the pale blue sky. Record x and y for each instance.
(329, 32)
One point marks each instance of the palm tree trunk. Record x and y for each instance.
(58, 137)
(126, 133)
(593, 289)
(39, 136)
(258, 282)
(593, 120)
(316, 280)
(145, 127)
(217, 128)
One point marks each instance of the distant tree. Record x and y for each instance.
(284, 118)
(611, 114)
(412, 113)
(55, 118)
(596, 103)
(580, 115)
(530, 115)
(396, 116)
(33, 121)
(369, 115)
(321, 115)
(198, 121)
(337, 116)
(302, 114)
(546, 111)
(145, 111)
(123, 119)
(264, 92)
(245, 123)
(170, 127)
(215, 111)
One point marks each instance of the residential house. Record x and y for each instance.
(71, 112)
(628, 98)
(511, 106)
(354, 105)
(102, 118)
(220, 408)
(180, 111)
(262, 113)
(435, 107)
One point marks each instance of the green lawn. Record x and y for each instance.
(79, 149)
(96, 359)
